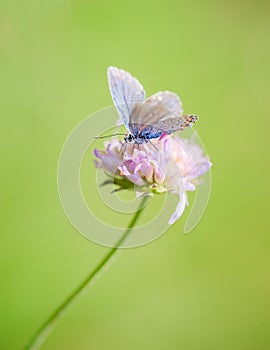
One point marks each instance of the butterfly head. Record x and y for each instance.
(129, 138)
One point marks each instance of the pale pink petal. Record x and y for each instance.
(170, 164)
(183, 202)
(135, 178)
(147, 171)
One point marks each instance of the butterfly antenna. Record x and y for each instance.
(107, 136)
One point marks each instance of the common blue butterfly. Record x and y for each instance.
(145, 119)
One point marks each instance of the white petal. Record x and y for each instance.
(179, 209)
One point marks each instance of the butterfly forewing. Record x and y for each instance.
(125, 90)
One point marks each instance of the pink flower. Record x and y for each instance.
(167, 165)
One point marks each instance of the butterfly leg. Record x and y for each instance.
(153, 145)
(121, 149)
(123, 145)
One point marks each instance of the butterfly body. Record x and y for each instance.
(145, 119)
(142, 136)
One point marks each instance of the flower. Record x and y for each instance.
(165, 165)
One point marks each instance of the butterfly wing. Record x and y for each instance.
(125, 91)
(146, 114)
(169, 126)
(160, 106)
(167, 99)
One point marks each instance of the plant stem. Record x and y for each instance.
(40, 336)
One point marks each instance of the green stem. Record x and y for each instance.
(40, 336)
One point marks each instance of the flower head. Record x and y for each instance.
(167, 165)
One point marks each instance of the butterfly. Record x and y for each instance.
(145, 119)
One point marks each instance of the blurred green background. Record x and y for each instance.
(206, 290)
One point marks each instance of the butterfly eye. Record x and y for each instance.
(129, 138)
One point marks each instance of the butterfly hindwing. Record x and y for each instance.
(168, 100)
(144, 115)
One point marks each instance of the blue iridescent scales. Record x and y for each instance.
(146, 119)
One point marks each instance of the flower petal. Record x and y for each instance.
(179, 209)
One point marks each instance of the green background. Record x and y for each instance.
(206, 290)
